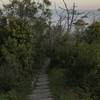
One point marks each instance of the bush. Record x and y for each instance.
(56, 77)
(11, 95)
(83, 62)
(92, 33)
(80, 63)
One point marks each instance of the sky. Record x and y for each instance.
(81, 4)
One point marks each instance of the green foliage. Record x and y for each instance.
(92, 33)
(9, 96)
(26, 39)
(23, 28)
(80, 60)
(47, 2)
(82, 63)
(16, 55)
(22, 49)
(56, 77)
(63, 92)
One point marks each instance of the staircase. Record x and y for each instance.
(42, 90)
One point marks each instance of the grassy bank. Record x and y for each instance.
(19, 93)
(11, 95)
(61, 91)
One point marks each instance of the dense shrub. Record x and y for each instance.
(81, 62)
(92, 33)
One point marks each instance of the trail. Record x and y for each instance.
(42, 90)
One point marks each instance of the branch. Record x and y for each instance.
(68, 15)
(73, 14)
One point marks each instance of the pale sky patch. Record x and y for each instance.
(82, 4)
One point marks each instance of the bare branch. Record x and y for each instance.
(68, 15)
(73, 14)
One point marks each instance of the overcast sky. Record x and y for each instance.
(82, 4)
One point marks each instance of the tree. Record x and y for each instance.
(70, 18)
(91, 34)
(22, 38)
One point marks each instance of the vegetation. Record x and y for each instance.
(21, 50)
(28, 37)
(78, 63)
